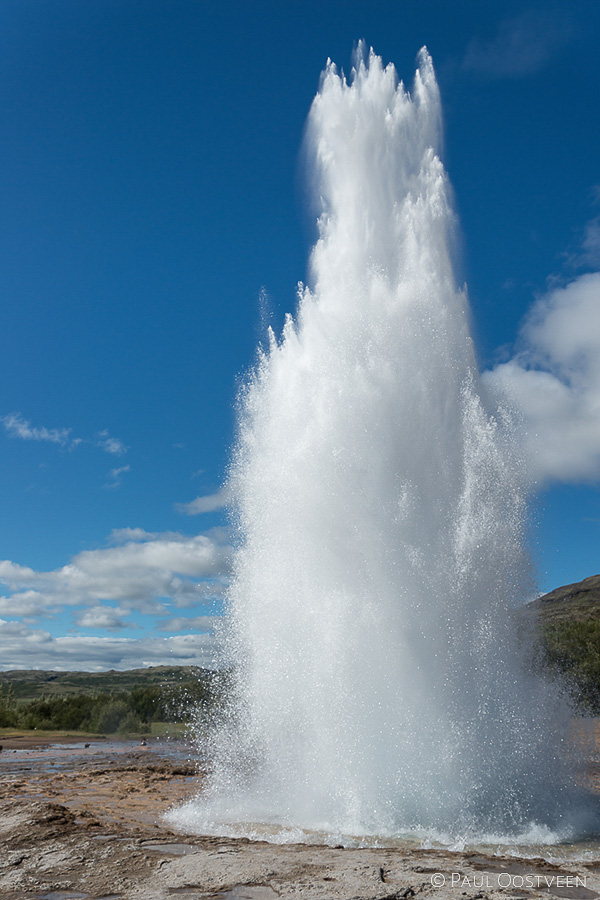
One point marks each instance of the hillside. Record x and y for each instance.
(569, 620)
(31, 684)
(572, 602)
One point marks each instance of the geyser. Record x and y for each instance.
(379, 685)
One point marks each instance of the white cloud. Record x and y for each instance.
(522, 45)
(26, 603)
(122, 535)
(193, 623)
(115, 476)
(587, 256)
(102, 617)
(554, 382)
(143, 575)
(18, 427)
(591, 244)
(111, 444)
(207, 503)
(27, 648)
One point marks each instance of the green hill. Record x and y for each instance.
(569, 623)
(31, 684)
(573, 602)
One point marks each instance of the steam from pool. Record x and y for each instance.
(379, 683)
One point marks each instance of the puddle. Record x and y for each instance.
(55, 758)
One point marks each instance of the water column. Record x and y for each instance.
(379, 683)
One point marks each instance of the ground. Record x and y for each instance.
(85, 822)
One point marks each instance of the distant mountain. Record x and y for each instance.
(577, 602)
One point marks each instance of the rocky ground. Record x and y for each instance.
(84, 822)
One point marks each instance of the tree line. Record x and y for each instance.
(569, 651)
(123, 712)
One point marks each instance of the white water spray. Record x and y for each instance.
(379, 686)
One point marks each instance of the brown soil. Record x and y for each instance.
(85, 823)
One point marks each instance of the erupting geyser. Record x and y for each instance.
(379, 687)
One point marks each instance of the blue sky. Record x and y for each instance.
(153, 192)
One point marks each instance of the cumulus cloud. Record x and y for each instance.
(27, 603)
(554, 382)
(207, 503)
(192, 623)
(147, 575)
(522, 45)
(27, 648)
(18, 427)
(109, 617)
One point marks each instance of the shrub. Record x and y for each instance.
(572, 650)
(111, 715)
(131, 724)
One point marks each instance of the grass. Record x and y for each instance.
(173, 730)
(162, 730)
(52, 735)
